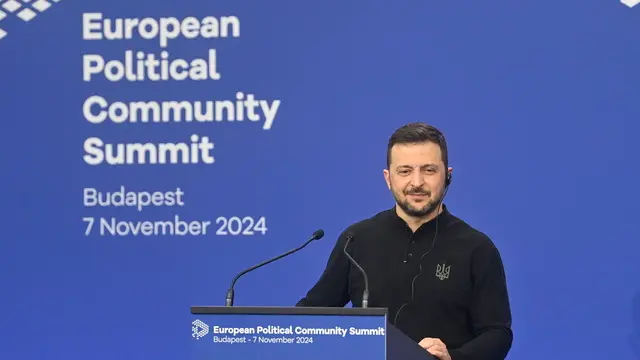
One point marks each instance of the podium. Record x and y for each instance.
(310, 333)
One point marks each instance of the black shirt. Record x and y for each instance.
(459, 287)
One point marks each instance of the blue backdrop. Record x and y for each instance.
(538, 100)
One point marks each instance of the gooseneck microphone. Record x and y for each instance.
(317, 235)
(365, 294)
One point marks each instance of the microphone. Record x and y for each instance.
(317, 235)
(365, 294)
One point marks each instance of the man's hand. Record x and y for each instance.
(436, 348)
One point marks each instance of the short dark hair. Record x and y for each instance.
(415, 133)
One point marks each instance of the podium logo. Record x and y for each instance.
(26, 10)
(630, 3)
(199, 329)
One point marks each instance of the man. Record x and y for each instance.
(442, 281)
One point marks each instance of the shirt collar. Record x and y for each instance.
(442, 220)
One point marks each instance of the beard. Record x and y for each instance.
(426, 209)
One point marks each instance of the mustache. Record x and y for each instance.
(418, 191)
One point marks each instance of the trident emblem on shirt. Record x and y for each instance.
(442, 272)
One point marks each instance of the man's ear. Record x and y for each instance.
(387, 178)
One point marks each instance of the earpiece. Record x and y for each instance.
(447, 182)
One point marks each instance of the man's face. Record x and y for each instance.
(416, 177)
